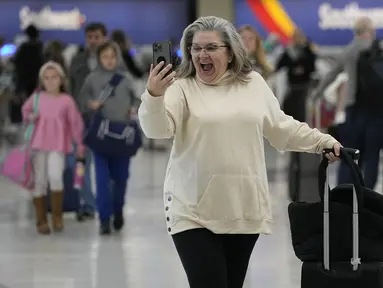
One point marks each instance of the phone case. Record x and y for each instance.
(162, 51)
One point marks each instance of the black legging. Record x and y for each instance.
(214, 260)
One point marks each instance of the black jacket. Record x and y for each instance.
(299, 66)
(28, 61)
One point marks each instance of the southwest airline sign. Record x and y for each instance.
(325, 22)
(46, 19)
(64, 20)
(273, 17)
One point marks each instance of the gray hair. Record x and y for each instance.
(363, 25)
(240, 65)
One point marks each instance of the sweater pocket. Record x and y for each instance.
(232, 198)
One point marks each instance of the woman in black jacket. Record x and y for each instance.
(119, 37)
(299, 59)
(27, 62)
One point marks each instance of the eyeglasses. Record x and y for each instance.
(210, 48)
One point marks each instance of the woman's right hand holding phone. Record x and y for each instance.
(157, 81)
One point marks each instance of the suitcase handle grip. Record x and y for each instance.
(353, 153)
(347, 155)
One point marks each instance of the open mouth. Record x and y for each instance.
(207, 67)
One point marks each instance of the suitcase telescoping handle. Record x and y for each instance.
(348, 155)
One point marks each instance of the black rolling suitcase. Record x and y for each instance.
(332, 274)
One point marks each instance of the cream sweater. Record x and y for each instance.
(216, 176)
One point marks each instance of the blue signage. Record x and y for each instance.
(143, 21)
(324, 22)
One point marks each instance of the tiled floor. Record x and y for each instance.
(142, 256)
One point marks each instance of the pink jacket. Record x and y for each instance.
(58, 123)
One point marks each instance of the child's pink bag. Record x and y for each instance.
(17, 164)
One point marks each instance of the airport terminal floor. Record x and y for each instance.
(142, 256)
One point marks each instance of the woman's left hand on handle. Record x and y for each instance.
(333, 157)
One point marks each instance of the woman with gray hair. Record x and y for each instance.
(218, 110)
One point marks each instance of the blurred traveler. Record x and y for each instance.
(272, 43)
(255, 50)
(273, 50)
(82, 64)
(334, 95)
(119, 37)
(299, 60)
(70, 51)
(57, 123)
(86, 61)
(365, 129)
(364, 34)
(28, 61)
(218, 111)
(115, 108)
(54, 52)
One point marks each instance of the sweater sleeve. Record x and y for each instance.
(287, 134)
(160, 117)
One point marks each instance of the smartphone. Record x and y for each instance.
(162, 51)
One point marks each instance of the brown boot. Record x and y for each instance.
(57, 210)
(41, 215)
